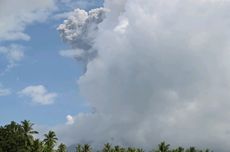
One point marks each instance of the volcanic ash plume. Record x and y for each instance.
(162, 73)
(80, 30)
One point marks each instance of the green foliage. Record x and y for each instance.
(62, 148)
(50, 141)
(79, 148)
(37, 146)
(86, 148)
(163, 147)
(107, 148)
(15, 137)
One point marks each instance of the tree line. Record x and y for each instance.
(19, 137)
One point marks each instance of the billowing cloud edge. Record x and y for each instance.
(161, 73)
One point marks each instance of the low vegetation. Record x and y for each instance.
(15, 137)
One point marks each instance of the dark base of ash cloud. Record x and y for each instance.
(162, 72)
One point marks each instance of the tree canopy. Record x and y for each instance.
(19, 137)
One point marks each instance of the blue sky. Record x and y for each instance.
(42, 65)
(157, 70)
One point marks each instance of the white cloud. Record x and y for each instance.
(79, 30)
(16, 15)
(167, 77)
(13, 53)
(4, 91)
(70, 120)
(122, 26)
(39, 94)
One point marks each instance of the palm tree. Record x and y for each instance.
(13, 127)
(50, 141)
(28, 132)
(12, 138)
(28, 127)
(122, 149)
(79, 148)
(86, 148)
(191, 149)
(131, 149)
(62, 148)
(117, 148)
(163, 147)
(37, 146)
(180, 149)
(140, 150)
(107, 148)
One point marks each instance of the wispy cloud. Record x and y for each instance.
(74, 53)
(4, 91)
(16, 15)
(13, 53)
(39, 94)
